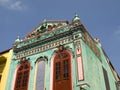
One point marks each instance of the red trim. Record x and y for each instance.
(65, 83)
(22, 76)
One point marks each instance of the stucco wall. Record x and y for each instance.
(5, 72)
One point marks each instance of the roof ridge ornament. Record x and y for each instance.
(43, 26)
(76, 15)
(76, 19)
(18, 39)
(44, 20)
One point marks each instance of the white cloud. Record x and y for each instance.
(17, 5)
(12, 4)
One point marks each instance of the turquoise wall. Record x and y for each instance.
(32, 60)
(92, 65)
(93, 69)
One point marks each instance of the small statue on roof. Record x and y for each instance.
(43, 27)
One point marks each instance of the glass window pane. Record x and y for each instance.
(22, 77)
(66, 72)
(40, 76)
(58, 71)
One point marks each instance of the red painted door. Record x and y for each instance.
(62, 71)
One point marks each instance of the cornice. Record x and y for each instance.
(48, 37)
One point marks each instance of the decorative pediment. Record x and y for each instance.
(45, 32)
(45, 27)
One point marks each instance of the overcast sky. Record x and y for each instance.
(100, 17)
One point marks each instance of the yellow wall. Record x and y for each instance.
(3, 81)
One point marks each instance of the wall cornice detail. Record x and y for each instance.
(43, 47)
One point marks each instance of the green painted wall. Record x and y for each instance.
(93, 69)
(92, 65)
(93, 74)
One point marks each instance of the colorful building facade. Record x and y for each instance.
(5, 59)
(60, 55)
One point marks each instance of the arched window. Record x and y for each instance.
(22, 76)
(62, 71)
(40, 75)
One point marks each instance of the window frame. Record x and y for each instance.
(21, 82)
(37, 65)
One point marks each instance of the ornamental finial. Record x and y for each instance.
(18, 39)
(44, 20)
(76, 17)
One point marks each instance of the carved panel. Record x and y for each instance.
(44, 47)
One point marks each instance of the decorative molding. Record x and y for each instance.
(42, 58)
(61, 48)
(43, 37)
(64, 48)
(46, 26)
(23, 60)
(77, 43)
(64, 31)
(39, 47)
(79, 61)
(44, 47)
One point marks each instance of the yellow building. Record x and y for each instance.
(5, 58)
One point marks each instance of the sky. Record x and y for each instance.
(100, 17)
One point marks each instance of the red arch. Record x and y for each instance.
(22, 76)
(62, 71)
